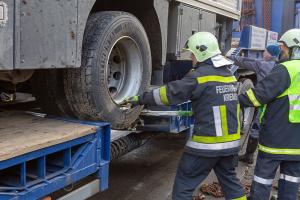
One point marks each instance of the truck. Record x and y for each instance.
(82, 58)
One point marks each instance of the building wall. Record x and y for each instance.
(297, 16)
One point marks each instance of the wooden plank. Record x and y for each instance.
(21, 133)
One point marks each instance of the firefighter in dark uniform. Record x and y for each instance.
(279, 140)
(261, 69)
(215, 141)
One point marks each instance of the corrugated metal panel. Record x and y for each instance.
(229, 8)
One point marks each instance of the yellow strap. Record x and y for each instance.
(278, 150)
(222, 79)
(252, 98)
(163, 95)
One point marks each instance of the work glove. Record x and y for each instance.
(134, 101)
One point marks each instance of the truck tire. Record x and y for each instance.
(116, 64)
(247, 114)
(48, 89)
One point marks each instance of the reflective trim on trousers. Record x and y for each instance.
(156, 97)
(290, 178)
(262, 180)
(216, 146)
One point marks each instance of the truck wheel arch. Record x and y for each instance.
(151, 15)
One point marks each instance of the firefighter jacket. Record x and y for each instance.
(213, 95)
(279, 92)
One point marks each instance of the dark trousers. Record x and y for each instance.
(255, 126)
(264, 174)
(193, 169)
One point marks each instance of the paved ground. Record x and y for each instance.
(145, 173)
(148, 172)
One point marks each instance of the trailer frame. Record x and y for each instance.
(39, 173)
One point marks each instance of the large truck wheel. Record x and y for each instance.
(247, 114)
(116, 64)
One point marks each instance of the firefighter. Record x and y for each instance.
(279, 137)
(215, 141)
(261, 69)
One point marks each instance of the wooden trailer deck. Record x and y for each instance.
(21, 133)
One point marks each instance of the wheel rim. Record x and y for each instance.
(124, 69)
(245, 116)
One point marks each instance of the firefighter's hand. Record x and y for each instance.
(133, 101)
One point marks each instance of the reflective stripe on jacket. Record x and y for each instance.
(293, 92)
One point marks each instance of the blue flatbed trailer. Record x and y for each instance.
(39, 156)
